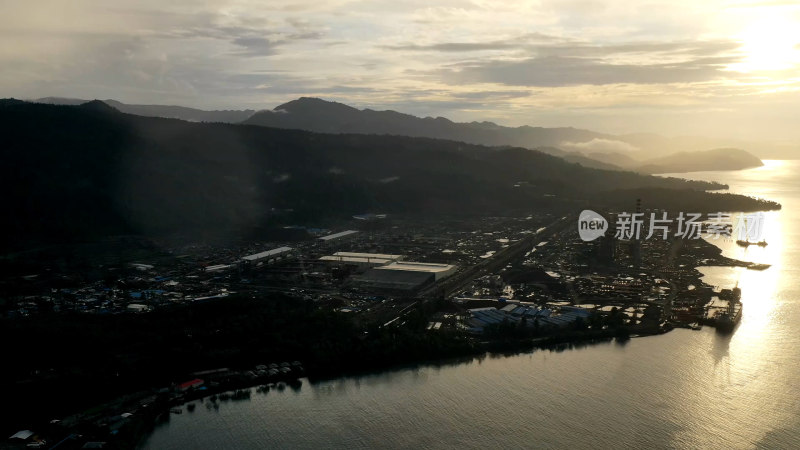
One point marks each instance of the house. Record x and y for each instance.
(191, 384)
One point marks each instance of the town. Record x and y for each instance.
(511, 282)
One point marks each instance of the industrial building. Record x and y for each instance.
(439, 271)
(361, 260)
(218, 268)
(405, 276)
(394, 280)
(514, 313)
(268, 256)
(337, 237)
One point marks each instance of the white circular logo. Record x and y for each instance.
(591, 225)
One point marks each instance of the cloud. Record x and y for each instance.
(523, 41)
(552, 71)
(570, 63)
(456, 46)
(256, 46)
(641, 48)
(600, 145)
(615, 66)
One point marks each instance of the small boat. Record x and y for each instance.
(741, 243)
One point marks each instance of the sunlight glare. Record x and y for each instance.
(770, 43)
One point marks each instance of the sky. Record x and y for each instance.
(714, 68)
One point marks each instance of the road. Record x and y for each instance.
(499, 260)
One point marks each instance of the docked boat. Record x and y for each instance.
(727, 320)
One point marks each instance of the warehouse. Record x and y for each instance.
(360, 260)
(533, 316)
(269, 255)
(404, 275)
(394, 280)
(439, 271)
(370, 255)
(338, 237)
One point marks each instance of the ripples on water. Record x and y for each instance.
(685, 389)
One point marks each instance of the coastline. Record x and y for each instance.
(141, 425)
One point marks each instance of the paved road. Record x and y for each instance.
(458, 281)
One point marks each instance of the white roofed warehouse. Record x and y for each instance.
(439, 271)
(405, 276)
(360, 260)
(336, 238)
(269, 256)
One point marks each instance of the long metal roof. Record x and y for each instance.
(266, 254)
(368, 255)
(338, 235)
(417, 267)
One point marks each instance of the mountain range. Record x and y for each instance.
(322, 116)
(166, 111)
(79, 172)
(638, 152)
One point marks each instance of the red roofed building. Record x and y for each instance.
(191, 384)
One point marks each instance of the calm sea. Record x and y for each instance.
(685, 389)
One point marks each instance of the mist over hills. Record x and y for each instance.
(79, 172)
(589, 148)
(313, 114)
(638, 152)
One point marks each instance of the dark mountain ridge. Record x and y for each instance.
(79, 172)
(166, 111)
(313, 114)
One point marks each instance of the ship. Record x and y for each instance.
(727, 319)
(724, 319)
(741, 243)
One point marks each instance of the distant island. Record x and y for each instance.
(717, 159)
(683, 162)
